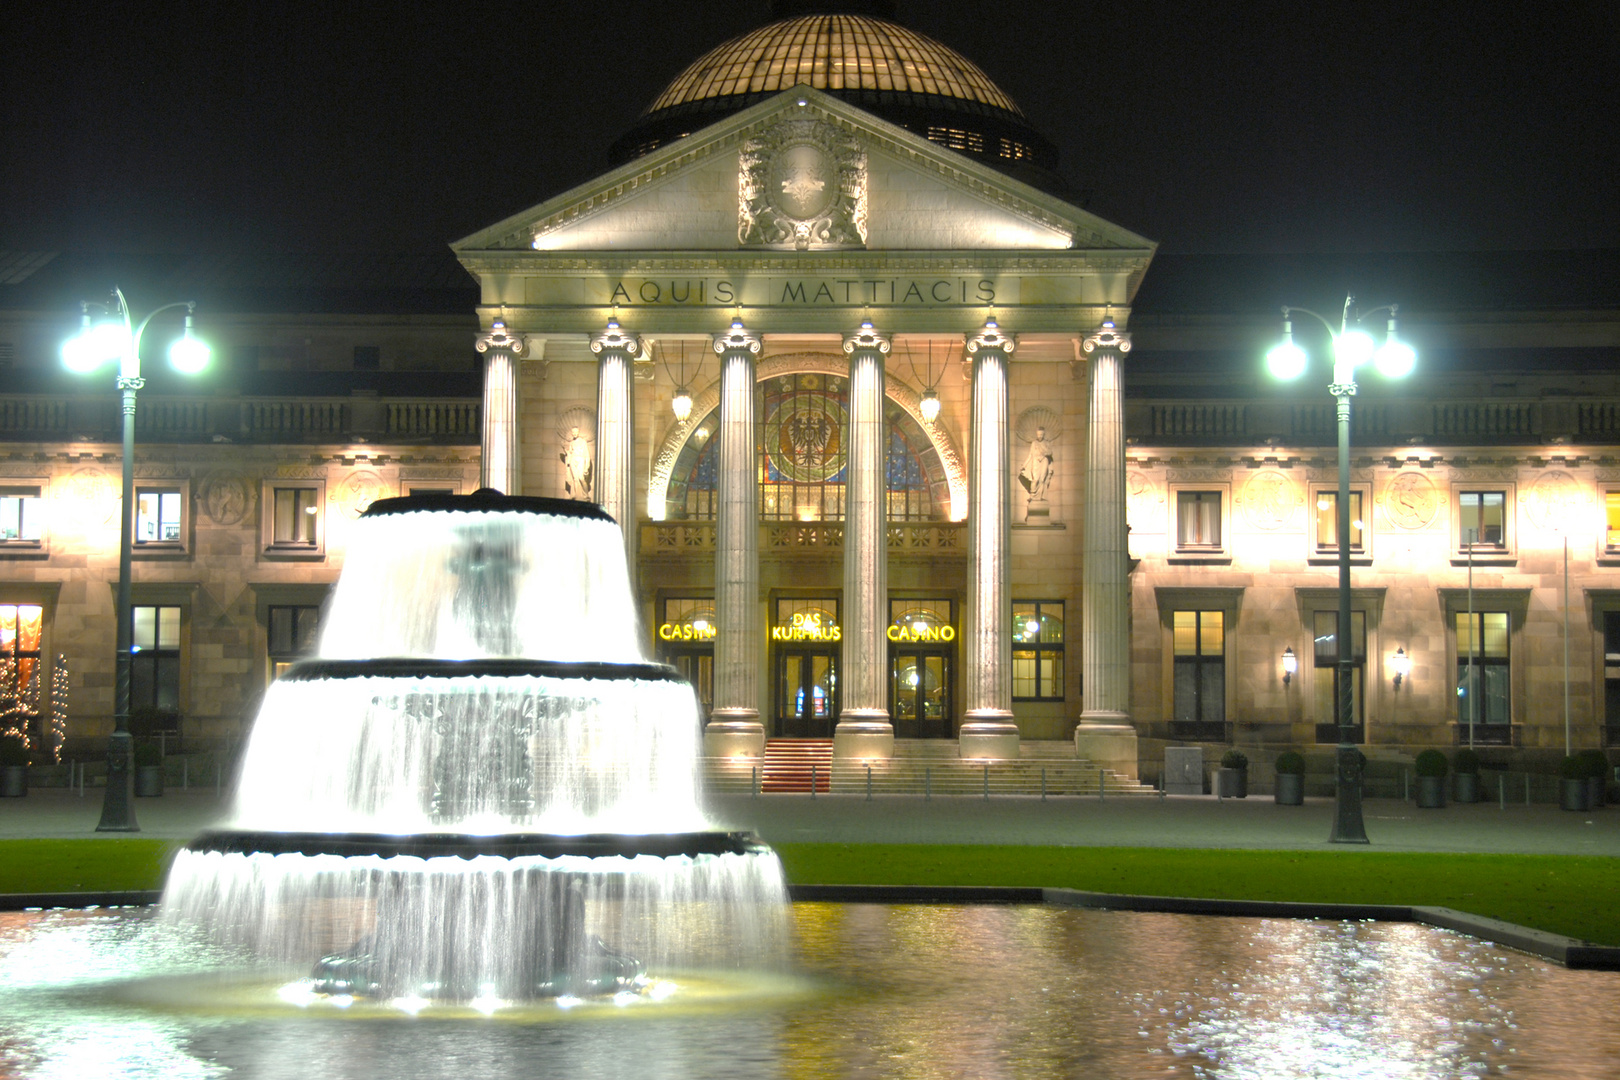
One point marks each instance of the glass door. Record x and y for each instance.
(806, 693)
(920, 694)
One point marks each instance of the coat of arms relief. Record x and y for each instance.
(801, 185)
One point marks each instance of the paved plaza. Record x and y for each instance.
(1176, 821)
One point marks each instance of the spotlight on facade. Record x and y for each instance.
(929, 406)
(1401, 664)
(681, 404)
(1290, 664)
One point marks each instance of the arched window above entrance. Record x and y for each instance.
(802, 467)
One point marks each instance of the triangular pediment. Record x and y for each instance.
(803, 171)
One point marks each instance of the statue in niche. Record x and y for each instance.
(1036, 474)
(577, 469)
(1037, 426)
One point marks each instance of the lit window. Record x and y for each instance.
(1037, 653)
(1482, 519)
(154, 671)
(1327, 521)
(293, 513)
(1483, 677)
(1200, 675)
(1611, 517)
(21, 629)
(1198, 520)
(22, 515)
(157, 517)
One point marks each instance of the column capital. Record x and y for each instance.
(737, 339)
(497, 338)
(990, 336)
(614, 339)
(868, 339)
(1108, 338)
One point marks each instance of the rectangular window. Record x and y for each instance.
(21, 630)
(157, 516)
(22, 516)
(1611, 521)
(1326, 628)
(292, 521)
(294, 629)
(154, 672)
(1198, 520)
(1482, 520)
(1327, 522)
(1611, 676)
(1037, 656)
(1484, 710)
(1199, 698)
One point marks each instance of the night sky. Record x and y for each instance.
(1211, 128)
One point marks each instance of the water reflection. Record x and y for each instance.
(884, 991)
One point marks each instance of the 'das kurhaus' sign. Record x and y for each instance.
(807, 626)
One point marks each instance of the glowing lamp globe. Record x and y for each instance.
(1286, 361)
(929, 406)
(1354, 348)
(189, 354)
(1395, 359)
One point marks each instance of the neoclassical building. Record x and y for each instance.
(912, 455)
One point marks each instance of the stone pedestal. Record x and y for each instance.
(863, 740)
(731, 739)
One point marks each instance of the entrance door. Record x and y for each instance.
(920, 693)
(806, 692)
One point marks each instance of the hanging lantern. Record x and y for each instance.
(929, 406)
(681, 403)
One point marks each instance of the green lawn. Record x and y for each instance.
(1566, 894)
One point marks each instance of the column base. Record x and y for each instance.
(863, 735)
(1112, 746)
(734, 738)
(988, 735)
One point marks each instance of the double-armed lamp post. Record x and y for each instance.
(1352, 348)
(118, 337)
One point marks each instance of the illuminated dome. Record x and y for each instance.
(872, 62)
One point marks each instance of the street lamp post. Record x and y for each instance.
(118, 337)
(1351, 349)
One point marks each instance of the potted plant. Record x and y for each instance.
(13, 767)
(1597, 777)
(1431, 768)
(1290, 790)
(1465, 764)
(148, 770)
(1232, 779)
(1573, 773)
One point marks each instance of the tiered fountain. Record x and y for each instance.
(480, 789)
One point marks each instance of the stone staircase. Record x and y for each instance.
(920, 767)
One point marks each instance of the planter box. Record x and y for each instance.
(1290, 789)
(1572, 795)
(13, 781)
(1232, 783)
(1466, 787)
(148, 781)
(1431, 792)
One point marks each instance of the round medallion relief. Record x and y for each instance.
(360, 490)
(1410, 501)
(1269, 499)
(1554, 500)
(88, 497)
(225, 497)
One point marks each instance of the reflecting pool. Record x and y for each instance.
(873, 991)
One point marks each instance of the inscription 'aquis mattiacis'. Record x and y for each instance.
(724, 292)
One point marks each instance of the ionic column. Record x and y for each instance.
(734, 728)
(1106, 734)
(500, 451)
(615, 437)
(988, 729)
(864, 730)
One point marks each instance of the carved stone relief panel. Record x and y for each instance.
(1410, 501)
(1144, 503)
(802, 185)
(1268, 500)
(359, 490)
(88, 497)
(1554, 500)
(225, 496)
